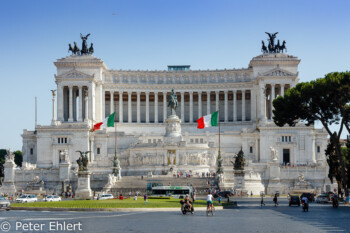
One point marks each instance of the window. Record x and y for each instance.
(62, 140)
(149, 140)
(196, 140)
(31, 151)
(251, 149)
(318, 149)
(98, 150)
(201, 140)
(286, 138)
(191, 140)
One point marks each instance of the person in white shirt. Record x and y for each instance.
(209, 200)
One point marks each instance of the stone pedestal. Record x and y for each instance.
(274, 180)
(64, 171)
(8, 185)
(173, 130)
(239, 182)
(83, 190)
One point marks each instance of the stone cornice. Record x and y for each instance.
(88, 61)
(273, 59)
(180, 87)
(178, 77)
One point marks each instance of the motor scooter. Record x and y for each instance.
(305, 206)
(186, 208)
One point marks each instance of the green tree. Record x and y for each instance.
(324, 100)
(3, 153)
(18, 158)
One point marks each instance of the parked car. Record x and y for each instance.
(294, 200)
(52, 198)
(224, 194)
(310, 196)
(4, 203)
(24, 198)
(105, 196)
(322, 198)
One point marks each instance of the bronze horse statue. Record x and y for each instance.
(264, 48)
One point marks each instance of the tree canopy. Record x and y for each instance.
(325, 100)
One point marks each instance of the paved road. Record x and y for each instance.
(247, 217)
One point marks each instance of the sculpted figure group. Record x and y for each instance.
(272, 47)
(85, 50)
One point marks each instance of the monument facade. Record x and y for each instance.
(151, 137)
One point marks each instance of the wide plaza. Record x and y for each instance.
(248, 216)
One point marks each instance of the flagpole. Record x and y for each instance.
(115, 142)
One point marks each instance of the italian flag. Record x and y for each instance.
(208, 120)
(108, 122)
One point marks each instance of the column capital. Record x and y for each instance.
(182, 92)
(234, 91)
(225, 91)
(147, 92)
(217, 92)
(165, 92)
(208, 92)
(199, 91)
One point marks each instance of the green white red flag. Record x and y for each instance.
(108, 122)
(208, 120)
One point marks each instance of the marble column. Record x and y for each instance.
(183, 107)
(208, 103)
(234, 105)
(147, 107)
(111, 102)
(226, 106)
(282, 89)
(86, 118)
(103, 103)
(217, 100)
(252, 105)
(164, 107)
(70, 119)
(53, 121)
(191, 106)
(60, 97)
(243, 105)
(155, 107)
(120, 106)
(199, 104)
(262, 102)
(138, 106)
(272, 98)
(129, 107)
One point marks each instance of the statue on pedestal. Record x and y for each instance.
(274, 154)
(83, 160)
(172, 102)
(84, 49)
(239, 162)
(10, 156)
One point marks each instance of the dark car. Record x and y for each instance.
(310, 196)
(224, 194)
(294, 200)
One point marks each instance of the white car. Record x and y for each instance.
(322, 199)
(105, 196)
(52, 198)
(24, 198)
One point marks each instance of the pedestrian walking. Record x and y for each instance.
(275, 200)
(262, 199)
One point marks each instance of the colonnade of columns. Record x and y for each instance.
(268, 93)
(145, 107)
(72, 103)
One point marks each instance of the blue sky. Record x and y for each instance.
(151, 35)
